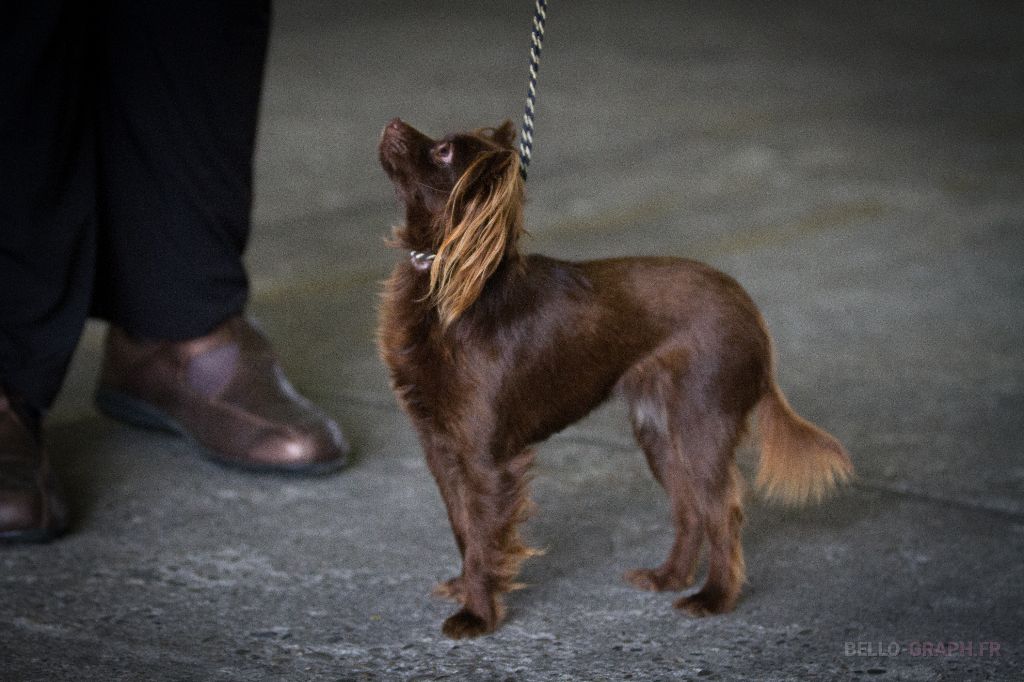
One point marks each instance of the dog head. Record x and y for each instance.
(463, 198)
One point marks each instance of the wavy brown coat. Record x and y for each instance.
(491, 351)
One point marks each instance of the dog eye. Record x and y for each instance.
(443, 153)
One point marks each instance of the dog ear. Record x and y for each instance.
(505, 135)
(482, 222)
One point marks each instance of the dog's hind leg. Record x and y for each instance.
(651, 388)
(726, 568)
(688, 422)
(711, 421)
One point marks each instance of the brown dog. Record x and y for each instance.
(491, 351)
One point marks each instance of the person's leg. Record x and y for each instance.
(47, 214)
(177, 130)
(179, 105)
(47, 250)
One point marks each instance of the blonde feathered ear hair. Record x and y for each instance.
(481, 225)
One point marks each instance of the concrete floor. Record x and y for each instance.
(859, 167)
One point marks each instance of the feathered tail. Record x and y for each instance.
(799, 461)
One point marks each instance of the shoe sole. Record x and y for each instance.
(31, 536)
(135, 412)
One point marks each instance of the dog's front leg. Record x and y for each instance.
(447, 472)
(493, 501)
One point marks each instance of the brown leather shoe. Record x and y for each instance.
(31, 508)
(226, 392)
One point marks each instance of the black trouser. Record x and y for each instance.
(126, 143)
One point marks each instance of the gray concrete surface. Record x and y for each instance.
(859, 167)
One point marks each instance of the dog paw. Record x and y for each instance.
(656, 580)
(450, 589)
(705, 603)
(465, 624)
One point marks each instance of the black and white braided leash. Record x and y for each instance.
(536, 42)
